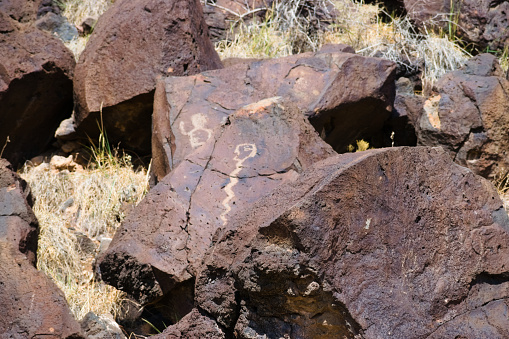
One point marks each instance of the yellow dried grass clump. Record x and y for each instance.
(78, 205)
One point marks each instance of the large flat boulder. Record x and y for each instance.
(32, 305)
(158, 250)
(468, 116)
(397, 242)
(35, 88)
(132, 44)
(345, 96)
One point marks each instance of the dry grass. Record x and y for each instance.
(356, 24)
(86, 203)
(76, 11)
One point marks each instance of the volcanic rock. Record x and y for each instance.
(397, 242)
(133, 43)
(18, 224)
(193, 325)
(32, 305)
(35, 88)
(345, 96)
(468, 116)
(160, 246)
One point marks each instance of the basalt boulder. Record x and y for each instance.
(32, 305)
(345, 96)
(158, 250)
(18, 224)
(35, 88)
(132, 44)
(396, 242)
(468, 116)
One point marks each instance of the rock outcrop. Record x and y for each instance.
(468, 116)
(32, 305)
(159, 248)
(397, 242)
(35, 88)
(132, 44)
(346, 97)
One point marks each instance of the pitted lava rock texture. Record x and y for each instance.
(345, 96)
(35, 88)
(468, 116)
(32, 305)
(161, 244)
(134, 42)
(397, 242)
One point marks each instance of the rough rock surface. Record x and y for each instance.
(480, 22)
(35, 88)
(193, 325)
(468, 116)
(160, 246)
(134, 42)
(345, 96)
(25, 11)
(18, 224)
(32, 305)
(397, 242)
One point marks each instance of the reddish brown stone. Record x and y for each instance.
(161, 244)
(18, 224)
(397, 242)
(193, 325)
(35, 88)
(133, 43)
(345, 96)
(468, 117)
(32, 305)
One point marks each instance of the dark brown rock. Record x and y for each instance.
(397, 242)
(18, 224)
(468, 116)
(345, 96)
(32, 305)
(193, 325)
(160, 246)
(35, 88)
(133, 43)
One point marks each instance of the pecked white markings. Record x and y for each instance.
(243, 152)
(199, 121)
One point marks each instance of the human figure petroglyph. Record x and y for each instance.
(199, 121)
(243, 152)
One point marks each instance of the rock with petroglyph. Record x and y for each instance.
(134, 42)
(395, 242)
(32, 305)
(467, 115)
(35, 86)
(346, 97)
(160, 246)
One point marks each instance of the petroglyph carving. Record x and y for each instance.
(199, 134)
(243, 152)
